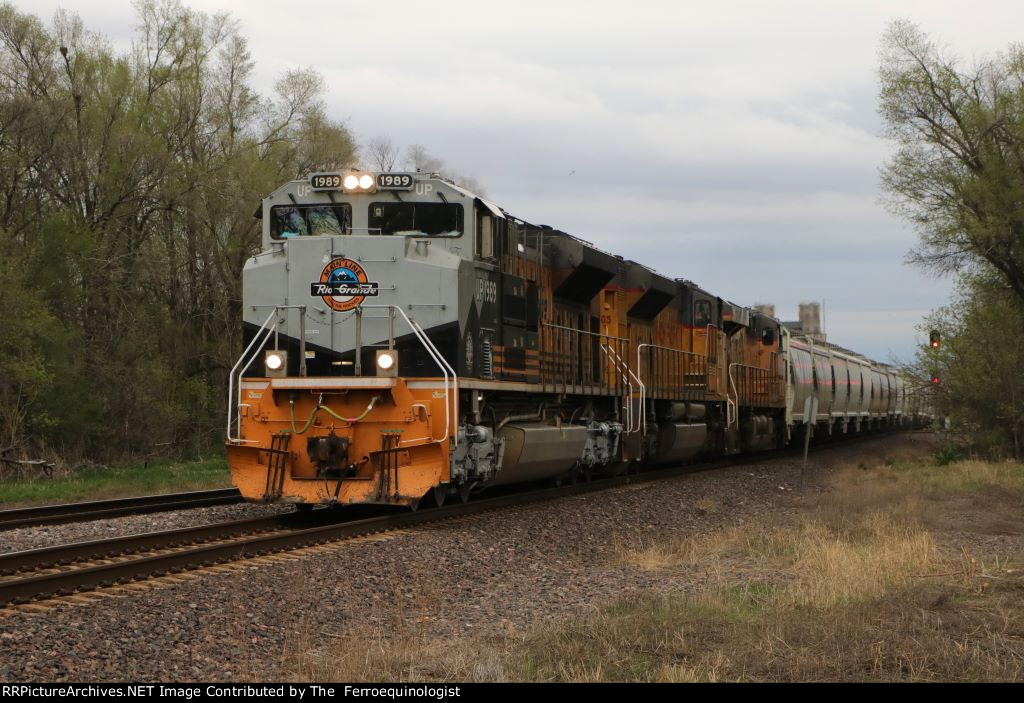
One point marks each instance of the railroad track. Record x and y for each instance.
(66, 569)
(118, 507)
(48, 571)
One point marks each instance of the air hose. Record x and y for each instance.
(320, 406)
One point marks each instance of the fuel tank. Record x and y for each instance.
(679, 441)
(535, 451)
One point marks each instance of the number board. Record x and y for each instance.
(394, 181)
(325, 181)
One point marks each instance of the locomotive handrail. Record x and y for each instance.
(639, 370)
(625, 379)
(450, 408)
(442, 364)
(586, 332)
(601, 337)
(248, 359)
(233, 404)
(731, 407)
(626, 372)
(732, 382)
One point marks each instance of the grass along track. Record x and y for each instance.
(123, 480)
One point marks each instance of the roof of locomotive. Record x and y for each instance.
(630, 272)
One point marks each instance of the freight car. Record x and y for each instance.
(407, 339)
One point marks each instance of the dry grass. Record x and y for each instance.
(903, 469)
(892, 576)
(864, 586)
(830, 567)
(927, 633)
(873, 600)
(973, 496)
(655, 555)
(375, 655)
(706, 506)
(824, 565)
(395, 641)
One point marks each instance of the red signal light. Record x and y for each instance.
(935, 380)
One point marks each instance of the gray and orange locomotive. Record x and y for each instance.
(407, 339)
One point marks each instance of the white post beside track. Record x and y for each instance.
(810, 417)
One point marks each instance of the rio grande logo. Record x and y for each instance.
(343, 285)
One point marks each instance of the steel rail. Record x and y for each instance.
(95, 510)
(48, 557)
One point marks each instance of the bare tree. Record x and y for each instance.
(418, 159)
(382, 153)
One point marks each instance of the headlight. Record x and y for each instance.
(360, 182)
(274, 362)
(387, 362)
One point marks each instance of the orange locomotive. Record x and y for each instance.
(406, 339)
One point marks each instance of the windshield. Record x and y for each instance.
(421, 218)
(310, 220)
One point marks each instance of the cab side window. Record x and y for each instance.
(485, 231)
(701, 313)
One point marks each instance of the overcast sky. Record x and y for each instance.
(736, 144)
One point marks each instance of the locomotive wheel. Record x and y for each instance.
(464, 492)
(439, 493)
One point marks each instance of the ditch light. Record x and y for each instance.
(387, 363)
(276, 363)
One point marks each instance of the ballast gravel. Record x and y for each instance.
(493, 573)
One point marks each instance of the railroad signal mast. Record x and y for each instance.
(934, 343)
